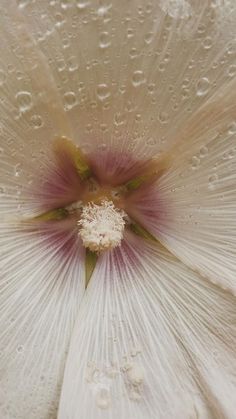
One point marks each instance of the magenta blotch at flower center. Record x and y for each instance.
(97, 196)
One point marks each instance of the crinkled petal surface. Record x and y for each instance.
(131, 74)
(153, 340)
(42, 280)
(200, 189)
(39, 297)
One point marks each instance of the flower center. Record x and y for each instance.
(101, 227)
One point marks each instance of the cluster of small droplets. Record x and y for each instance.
(101, 226)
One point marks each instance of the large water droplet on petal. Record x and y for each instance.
(203, 86)
(103, 91)
(24, 100)
(138, 78)
(69, 100)
(232, 70)
(36, 121)
(104, 40)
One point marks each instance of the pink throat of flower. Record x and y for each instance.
(94, 199)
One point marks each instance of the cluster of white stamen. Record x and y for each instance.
(101, 226)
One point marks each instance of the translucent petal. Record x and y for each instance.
(197, 194)
(31, 112)
(145, 326)
(42, 283)
(131, 74)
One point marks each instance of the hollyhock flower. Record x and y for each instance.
(118, 202)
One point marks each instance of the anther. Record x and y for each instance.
(101, 226)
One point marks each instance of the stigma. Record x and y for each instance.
(101, 226)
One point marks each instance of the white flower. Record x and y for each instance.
(146, 93)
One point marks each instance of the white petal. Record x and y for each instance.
(132, 74)
(40, 292)
(139, 322)
(31, 112)
(198, 193)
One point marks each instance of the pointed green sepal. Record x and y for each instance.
(63, 147)
(135, 183)
(53, 215)
(90, 263)
(141, 231)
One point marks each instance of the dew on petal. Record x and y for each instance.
(177, 9)
(212, 181)
(138, 78)
(69, 100)
(119, 119)
(2, 77)
(232, 128)
(163, 117)
(232, 70)
(148, 37)
(195, 162)
(203, 151)
(103, 91)
(24, 100)
(104, 40)
(22, 3)
(37, 121)
(203, 86)
(208, 42)
(20, 349)
(72, 63)
(82, 4)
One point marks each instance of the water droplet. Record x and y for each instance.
(104, 40)
(59, 18)
(232, 128)
(161, 67)
(207, 43)
(212, 181)
(37, 121)
(22, 3)
(103, 398)
(148, 38)
(24, 100)
(138, 78)
(216, 3)
(17, 170)
(195, 162)
(20, 348)
(65, 43)
(69, 100)
(19, 75)
(203, 151)
(151, 141)
(2, 77)
(119, 119)
(82, 4)
(203, 86)
(151, 88)
(72, 63)
(130, 33)
(163, 117)
(201, 28)
(65, 4)
(103, 91)
(133, 53)
(232, 70)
